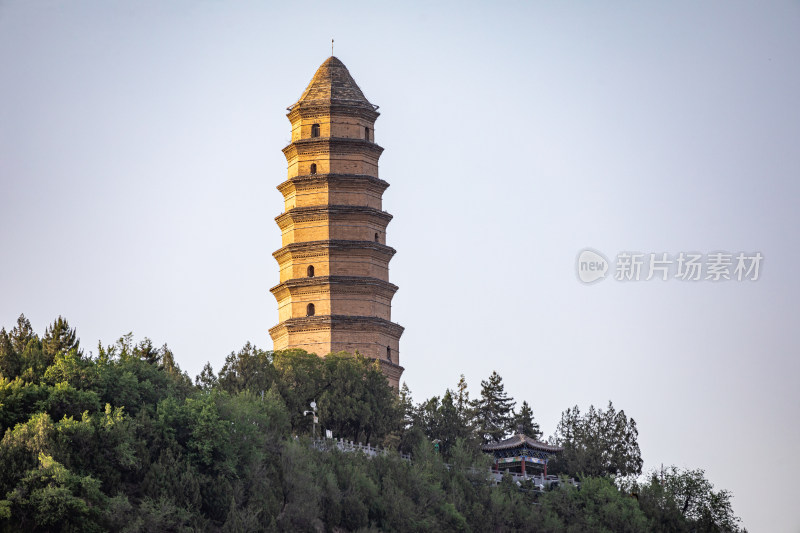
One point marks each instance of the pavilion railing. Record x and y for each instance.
(350, 446)
(539, 480)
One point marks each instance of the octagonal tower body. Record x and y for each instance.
(334, 292)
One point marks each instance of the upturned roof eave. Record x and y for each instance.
(520, 441)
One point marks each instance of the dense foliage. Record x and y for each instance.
(124, 441)
(598, 442)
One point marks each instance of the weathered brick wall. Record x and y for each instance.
(336, 125)
(324, 195)
(337, 264)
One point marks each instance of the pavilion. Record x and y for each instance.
(519, 454)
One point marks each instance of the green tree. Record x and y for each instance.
(51, 497)
(598, 506)
(383, 405)
(523, 421)
(18, 401)
(684, 500)
(66, 400)
(70, 367)
(29, 360)
(411, 430)
(407, 406)
(59, 338)
(22, 334)
(493, 411)
(136, 447)
(440, 421)
(34, 361)
(301, 379)
(136, 377)
(300, 491)
(356, 399)
(462, 398)
(20, 448)
(598, 443)
(147, 352)
(10, 360)
(248, 369)
(206, 380)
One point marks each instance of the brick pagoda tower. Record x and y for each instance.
(334, 292)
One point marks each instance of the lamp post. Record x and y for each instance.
(313, 411)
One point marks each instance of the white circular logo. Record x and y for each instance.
(591, 266)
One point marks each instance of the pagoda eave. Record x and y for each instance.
(299, 250)
(338, 322)
(324, 108)
(334, 285)
(355, 181)
(342, 145)
(327, 212)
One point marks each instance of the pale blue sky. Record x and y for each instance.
(140, 147)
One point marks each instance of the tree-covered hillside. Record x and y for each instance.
(123, 440)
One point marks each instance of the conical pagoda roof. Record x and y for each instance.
(333, 84)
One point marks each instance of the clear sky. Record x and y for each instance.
(140, 148)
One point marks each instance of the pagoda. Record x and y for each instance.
(334, 292)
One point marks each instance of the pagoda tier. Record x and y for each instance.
(333, 156)
(335, 333)
(336, 189)
(335, 258)
(333, 222)
(334, 292)
(335, 295)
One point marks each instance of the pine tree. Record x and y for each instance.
(598, 442)
(169, 366)
(494, 410)
(32, 361)
(524, 423)
(451, 424)
(147, 352)
(10, 360)
(22, 334)
(407, 410)
(59, 338)
(206, 380)
(462, 397)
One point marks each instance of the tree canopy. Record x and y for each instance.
(124, 441)
(598, 442)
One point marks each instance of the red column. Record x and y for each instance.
(523, 465)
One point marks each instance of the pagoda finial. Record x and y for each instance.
(331, 47)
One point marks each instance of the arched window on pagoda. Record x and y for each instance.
(310, 310)
(376, 237)
(315, 130)
(313, 168)
(366, 134)
(389, 353)
(310, 271)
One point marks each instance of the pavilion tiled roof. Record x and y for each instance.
(333, 84)
(519, 440)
